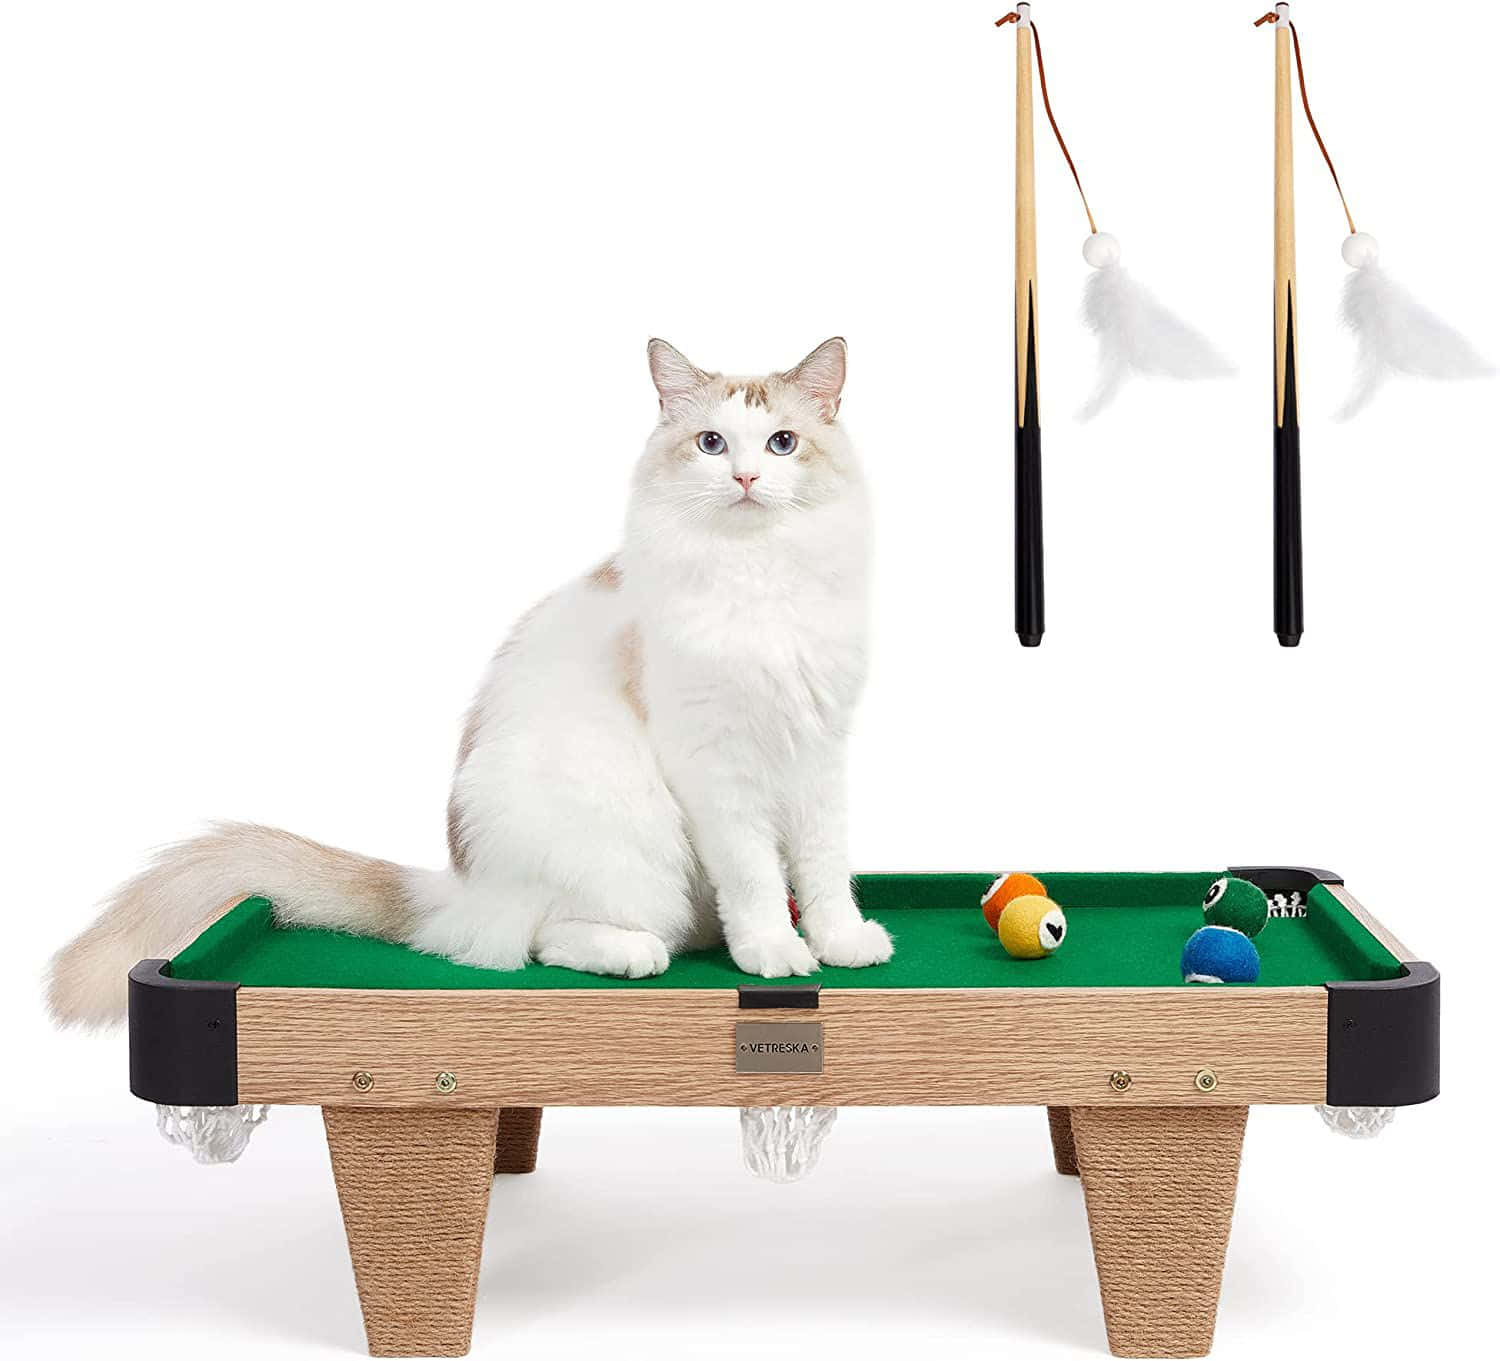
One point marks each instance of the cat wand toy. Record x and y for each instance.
(1030, 592)
(1392, 332)
(1136, 334)
(1286, 450)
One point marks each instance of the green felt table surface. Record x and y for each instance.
(1124, 930)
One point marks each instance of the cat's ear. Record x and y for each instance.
(673, 373)
(821, 375)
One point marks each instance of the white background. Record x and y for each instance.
(322, 356)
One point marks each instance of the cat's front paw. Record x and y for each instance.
(776, 955)
(854, 946)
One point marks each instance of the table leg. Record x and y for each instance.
(1060, 1124)
(516, 1138)
(414, 1186)
(1159, 1184)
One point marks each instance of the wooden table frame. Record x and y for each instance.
(427, 1094)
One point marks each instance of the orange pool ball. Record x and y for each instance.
(1006, 888)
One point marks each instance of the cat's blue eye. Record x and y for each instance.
(712, 442)
(782, 443)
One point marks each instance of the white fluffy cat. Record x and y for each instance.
(654, 754)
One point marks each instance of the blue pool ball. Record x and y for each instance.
(1219, 954)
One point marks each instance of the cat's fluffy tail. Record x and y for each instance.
(187, 885)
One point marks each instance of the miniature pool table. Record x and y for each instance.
(433, 1075)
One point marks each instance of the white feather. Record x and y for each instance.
(1393, 333)
(1138, 335)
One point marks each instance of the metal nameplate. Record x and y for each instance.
(778, 1047)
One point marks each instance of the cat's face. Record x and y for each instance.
(743, 452)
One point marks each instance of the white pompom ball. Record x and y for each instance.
(1360, 250)
(1102, 250)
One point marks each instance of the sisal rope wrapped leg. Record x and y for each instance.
(1060, 1124)
(414, 1186)
(516, 1138)
(1159, 1184)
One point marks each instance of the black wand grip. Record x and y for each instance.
(1287, 511)
(1030, 593)
(1030, 603)
(1288, 529)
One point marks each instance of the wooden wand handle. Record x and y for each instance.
(1287, 450)
(1030, 614)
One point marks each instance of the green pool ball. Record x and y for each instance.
(1235, 903)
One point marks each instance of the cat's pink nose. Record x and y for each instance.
(745, 479)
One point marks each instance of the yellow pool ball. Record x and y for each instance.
(1032, 927)
(1006, 889)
